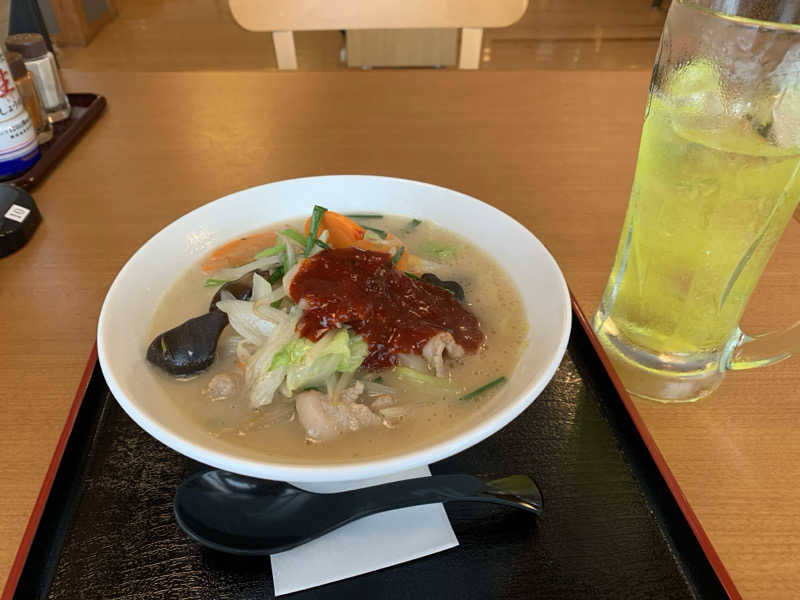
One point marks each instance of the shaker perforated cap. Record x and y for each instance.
(19, 218)
(29, 45)
(15, 65)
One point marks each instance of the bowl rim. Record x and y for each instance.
(335, 472)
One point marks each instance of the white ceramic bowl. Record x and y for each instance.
(124, 325)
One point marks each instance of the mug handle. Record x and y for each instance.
(747, 352)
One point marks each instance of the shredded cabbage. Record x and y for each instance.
(311, 363)
(246, 322)
(261, 287)
(419, 377)
(412, 361)
(236, 272)
(292, 353)
(260, 382)
(298, 363)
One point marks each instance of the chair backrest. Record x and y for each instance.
(281, 17)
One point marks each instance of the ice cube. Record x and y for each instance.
(786, 118)
(786, 102)
(697, 84)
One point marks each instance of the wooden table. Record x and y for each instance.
(554, 149)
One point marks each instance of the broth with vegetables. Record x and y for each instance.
(363, 336)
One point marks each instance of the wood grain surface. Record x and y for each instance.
(554, 149)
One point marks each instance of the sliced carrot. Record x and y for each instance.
(239, 251)
(342, 231)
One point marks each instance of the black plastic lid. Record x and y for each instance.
(29, 45)
(20, 218)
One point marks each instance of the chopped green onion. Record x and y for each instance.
(398, 254)
(381, 233)
(483, 388)
(277, 303)
(301, 239)
(364, 216)
(214, 282)
(412, 276)
(164, 347)
(436, 250)
(316, 217)
(275, 275)
(378, 379)
(294, 235)
(420, 377)
(276, 249)
(413, 223)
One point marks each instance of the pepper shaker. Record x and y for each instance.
(18, 147)
(42, 65)
(30, 97)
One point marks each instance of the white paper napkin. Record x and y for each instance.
(371, 543)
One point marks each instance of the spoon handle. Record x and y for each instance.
(247, 516)
(518, 491)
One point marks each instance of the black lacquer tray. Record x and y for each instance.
(615, 524)
(85, 110)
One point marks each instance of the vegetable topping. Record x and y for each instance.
(393, 313)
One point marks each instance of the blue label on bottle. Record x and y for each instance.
(15, 166)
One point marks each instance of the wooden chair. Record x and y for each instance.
(282, 17)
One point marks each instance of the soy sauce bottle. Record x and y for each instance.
(30, 97)
(19, 149)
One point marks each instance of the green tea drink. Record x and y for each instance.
(710, 198)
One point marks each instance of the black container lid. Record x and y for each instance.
(20, 218)
(29, 45)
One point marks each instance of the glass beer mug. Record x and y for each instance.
(717, 181)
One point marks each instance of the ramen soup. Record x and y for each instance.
(357, 337)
